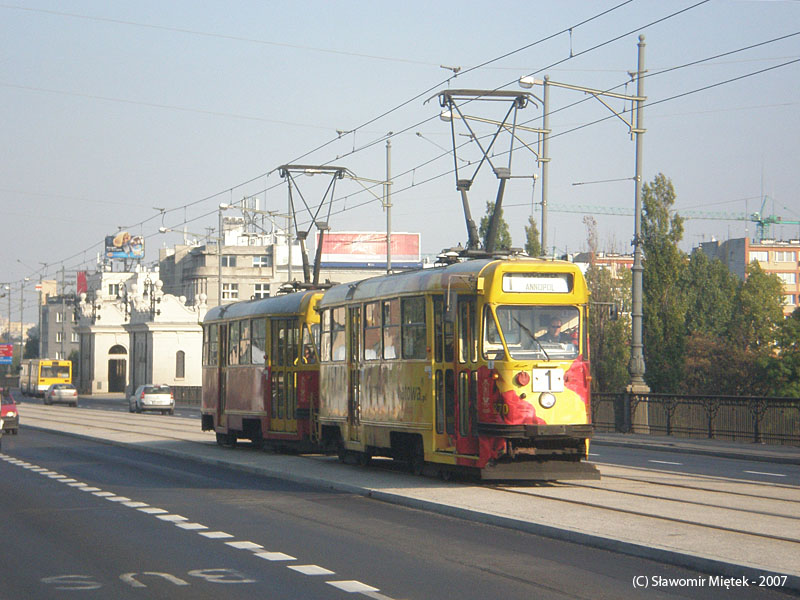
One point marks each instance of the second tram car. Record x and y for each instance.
(479, 366)
(260, 371)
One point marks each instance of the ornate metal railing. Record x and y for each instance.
(738, 418)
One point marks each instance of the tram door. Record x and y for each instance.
(444, 375)
(465, 410)
(283, 404)
(354, 379)
(222, 420)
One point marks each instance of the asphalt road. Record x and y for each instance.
(82, 519)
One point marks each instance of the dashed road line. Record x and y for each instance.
(215, 535)
(245, 545)
(274, 556)
(191, 526)
(352, 586)
(665, 462)
(311, 570)
(768, 474)
(151, 510)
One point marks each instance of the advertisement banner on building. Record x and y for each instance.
(368, 249)
(6, 354)
(124, 245)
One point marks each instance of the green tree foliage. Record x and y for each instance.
(533, 243)
(664, 305)
(783, 370)
(609, 339)
(758, 310)
(710, 290)
(503, 235)
(32, 344)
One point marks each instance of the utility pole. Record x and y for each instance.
(63, 311)
(545, 158)
(637, 366)
(388, 195)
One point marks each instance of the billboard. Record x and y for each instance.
(124, 245)
(368, 249)
(6, 354)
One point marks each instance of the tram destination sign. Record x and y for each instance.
(537, 283)
(6, 354)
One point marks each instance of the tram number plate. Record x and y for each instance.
(548, 380)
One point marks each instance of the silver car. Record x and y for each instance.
(64, 393)
(152, 397)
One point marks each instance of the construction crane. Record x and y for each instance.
(763, 223)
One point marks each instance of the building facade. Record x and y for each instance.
(58, 334)
(781, 258)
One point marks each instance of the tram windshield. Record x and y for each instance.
(532, 332)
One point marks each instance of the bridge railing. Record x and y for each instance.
(738, 418)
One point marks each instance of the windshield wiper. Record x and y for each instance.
(532, 336)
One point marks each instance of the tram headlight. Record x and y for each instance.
(547, 400)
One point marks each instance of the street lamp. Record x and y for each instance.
(636, 366)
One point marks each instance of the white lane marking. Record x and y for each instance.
(134, 504)
(102, 494)
(352, 586)
(665, 462)
(89, 488)
(311, 570)
(245, 545)
(171, 518)
(150, 510)
(769, 474)
(77, 484)
(273, 555)
(68, 480)
(215, 535)
(118, 499)
(57, 476)
(191, 526)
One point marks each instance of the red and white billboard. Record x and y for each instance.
(368, 249)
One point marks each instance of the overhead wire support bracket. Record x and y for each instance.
(451, 101)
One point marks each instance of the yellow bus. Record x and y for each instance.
(478, 366)
(37, 374)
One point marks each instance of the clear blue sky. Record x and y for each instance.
(112, 109)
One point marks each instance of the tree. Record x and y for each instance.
(663, 323)
(758, 310)
(783, 370)
(533, 244)
(710, 290)
(32, 343)
(503, 241)
(610, 339)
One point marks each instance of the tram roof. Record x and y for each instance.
(457, 275)
(286, 304)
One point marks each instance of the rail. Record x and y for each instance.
(737, 418)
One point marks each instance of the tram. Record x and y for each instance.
(38, 374)
(480, 366)
(261, 372)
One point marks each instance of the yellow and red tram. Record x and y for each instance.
(461, 368)
(261, 372)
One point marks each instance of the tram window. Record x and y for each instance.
(414, 330)
(463, 403)
(438, 328)
(258, 328)
(338, 338)
(244, 343)
(391, 328)
(310, 344)
(492, 344)
(293, 339)
(450, 402)
(372, 331)
(278, 353)
(233, 343)
(467, 338)
(439, 391)
(325, 340)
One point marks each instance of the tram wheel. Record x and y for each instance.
(364, 459)
(416, 459)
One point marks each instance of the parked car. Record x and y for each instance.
(64, 393)
(9, 414)
(152, 397)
